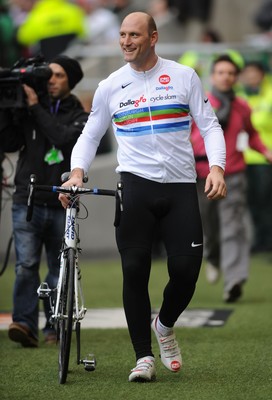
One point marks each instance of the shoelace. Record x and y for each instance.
(143, 365)
(170, 345)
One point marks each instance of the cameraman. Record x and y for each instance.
(44, 133)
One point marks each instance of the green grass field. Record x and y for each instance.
(233, 362)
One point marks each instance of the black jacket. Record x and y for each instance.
(34, 131)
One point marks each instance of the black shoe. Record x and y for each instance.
(21, 334)
(234, 294)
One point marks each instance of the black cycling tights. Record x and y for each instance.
(173, 208)
(183, 273)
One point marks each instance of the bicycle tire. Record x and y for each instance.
(66, 308)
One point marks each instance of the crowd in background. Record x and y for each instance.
(49, 27)
(31, 27)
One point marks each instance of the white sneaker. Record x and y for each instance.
(144, 370)
(169, 349)
(212, 273)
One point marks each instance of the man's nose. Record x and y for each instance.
(126, 40)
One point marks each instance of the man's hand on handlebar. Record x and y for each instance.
(75, 179)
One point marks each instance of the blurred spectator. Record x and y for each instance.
(160, 11)
(257, 89)
(101, 24)
(263, 20)
(19, 10)
(51, 25)
(124, 7)
(211, 36)
(193, 15)
(225, 223)
(197, 61)
(263, 16)
(8, 44)
(195, 9)
(201, 62)
(170, 30)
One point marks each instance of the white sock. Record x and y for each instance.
(162, 329)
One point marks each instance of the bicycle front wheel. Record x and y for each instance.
(66, 321)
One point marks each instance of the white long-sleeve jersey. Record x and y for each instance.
(151, 114)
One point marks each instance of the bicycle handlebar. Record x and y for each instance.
(72, 190)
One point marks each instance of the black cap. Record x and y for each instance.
(71, 67)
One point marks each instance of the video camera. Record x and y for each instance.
(34, 72)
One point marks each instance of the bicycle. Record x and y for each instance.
(66, 300)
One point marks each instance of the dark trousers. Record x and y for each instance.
(173, 209)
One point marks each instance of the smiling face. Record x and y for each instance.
(138, 36)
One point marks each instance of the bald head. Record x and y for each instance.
(141, 18)
(138, 37)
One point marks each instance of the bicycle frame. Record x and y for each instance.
(66, 300)
(70, 240)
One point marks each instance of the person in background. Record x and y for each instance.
(263, 16)
(171, 30)
(10, 50)
(256, 88)
(150, 103)
(101, 23)
(201, 62)
(18, 11)
(262, 19)
(50, 27)
(211, 36)
(225, 223)
(44, 133)
(124, 7)
(193, 16)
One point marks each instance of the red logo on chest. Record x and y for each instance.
(164, 79)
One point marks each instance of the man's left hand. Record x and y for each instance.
(31, 95)
(215, 186)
